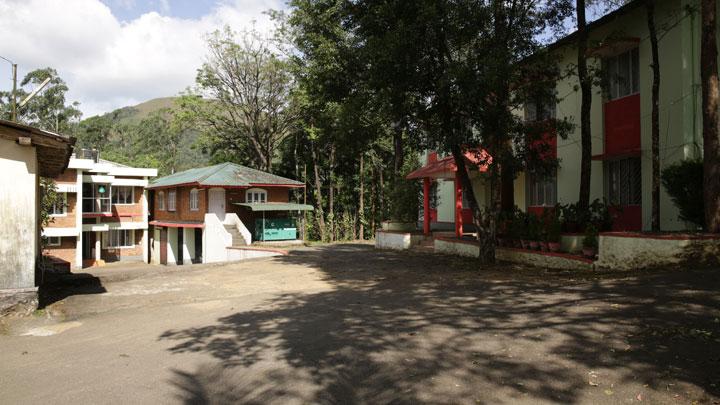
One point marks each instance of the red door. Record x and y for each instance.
(163, 245)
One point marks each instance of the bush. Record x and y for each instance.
(684, 183)
(590, 240)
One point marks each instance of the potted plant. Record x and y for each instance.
(590, 242)
(533, 228)
(553, 235)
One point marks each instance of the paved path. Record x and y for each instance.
(348, 324)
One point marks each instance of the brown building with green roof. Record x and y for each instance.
(211, 214)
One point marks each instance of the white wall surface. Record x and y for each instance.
(18, 215)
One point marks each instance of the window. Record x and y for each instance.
(171, 200)
(624, 182)
(96, 198)
(540, 110)
(54, 241)
(622, 74)
(194, 200)
(542, 191)
(161, 200)
(255, 195)
(123, 195)
(59, 209)
(121, 238)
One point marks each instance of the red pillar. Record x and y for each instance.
(458, 206)
(426, 206)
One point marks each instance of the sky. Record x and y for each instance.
(115, 53)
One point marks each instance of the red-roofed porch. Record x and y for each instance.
(446, 168)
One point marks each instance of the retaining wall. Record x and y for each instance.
(630, 251)
(397, 240)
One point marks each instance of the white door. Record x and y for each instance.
(217, 203)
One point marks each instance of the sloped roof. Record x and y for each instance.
(53, 150)
(441, 168)
(224, 175)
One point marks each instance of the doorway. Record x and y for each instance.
(198, 245)
(163, 245)
(180, 240)
(216, 205)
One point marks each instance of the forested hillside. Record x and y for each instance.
(149, 134)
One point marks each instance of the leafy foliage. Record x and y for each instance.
(684, 183)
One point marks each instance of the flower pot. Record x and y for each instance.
(589, 252)
(534, 245)
(554, 247)
(525, 244)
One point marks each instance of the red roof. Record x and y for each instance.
(433, 169)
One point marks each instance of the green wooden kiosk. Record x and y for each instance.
(275, 228)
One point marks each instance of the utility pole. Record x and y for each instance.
(13, 102)
(13, 117)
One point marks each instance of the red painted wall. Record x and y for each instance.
(622, 125)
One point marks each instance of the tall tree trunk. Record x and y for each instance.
(373, 193)
(586, 101)
(361, 202)
(399, 157)
(507, 193)
(331, 194)
(319, 214)
(710, 100)
(655, 120)
(381, 194)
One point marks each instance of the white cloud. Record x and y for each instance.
(108, 63)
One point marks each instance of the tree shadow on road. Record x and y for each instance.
(408, 328)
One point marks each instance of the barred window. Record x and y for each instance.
(122, 195)
(119, 238)
(54, 241)
(194, 200)
(60, 207)
(161, 200)
(171, 200)
(255, 195)
(622, 74)
(624, 182)
(542, 191)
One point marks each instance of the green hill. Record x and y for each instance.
(135, 114)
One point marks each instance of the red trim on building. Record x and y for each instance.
(108, 215)
(169, 224)
(622, 126)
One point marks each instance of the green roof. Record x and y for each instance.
(223, 175)
(276, 206)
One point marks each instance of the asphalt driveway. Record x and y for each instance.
(348, 324)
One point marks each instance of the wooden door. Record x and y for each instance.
(163, 245)
(216, 203)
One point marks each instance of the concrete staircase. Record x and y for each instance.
(237, 238)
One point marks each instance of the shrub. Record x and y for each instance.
(553, 231)
(590, 240)
(405, 197)
(684, 183)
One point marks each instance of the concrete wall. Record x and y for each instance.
(172, 248)
(457, 248)
(397, 240)
(632, 251)
(18, 215)
(189, 247)
(543, 259)
(215, 240)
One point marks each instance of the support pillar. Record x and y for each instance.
(458, 206)
(426, 206)
(98, 239)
